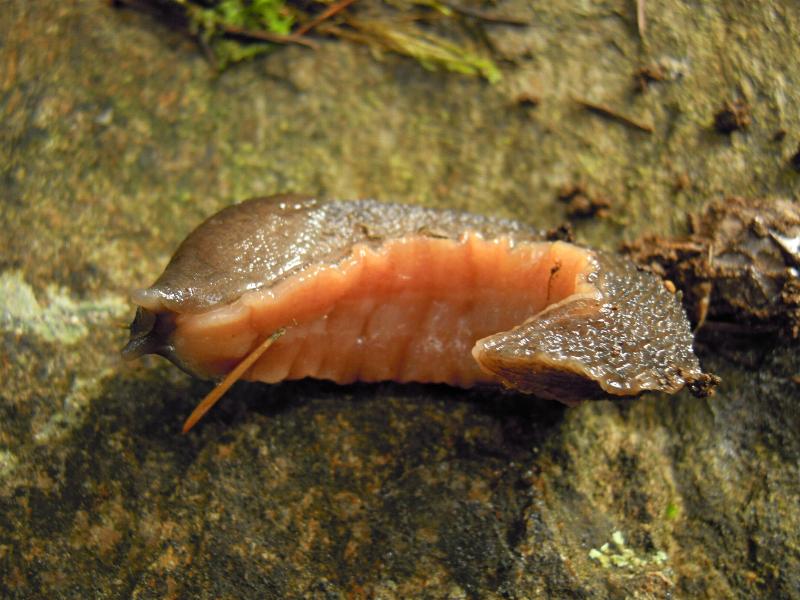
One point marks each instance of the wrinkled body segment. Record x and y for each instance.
(371, 292)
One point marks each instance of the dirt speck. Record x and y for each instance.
(733, 116)
(581, 204)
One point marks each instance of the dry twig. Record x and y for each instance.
(607, 111)
(325, 14)
(641, 24)
(266, 36)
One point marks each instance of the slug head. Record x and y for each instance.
(151, 333)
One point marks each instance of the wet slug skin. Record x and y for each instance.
(369, 291)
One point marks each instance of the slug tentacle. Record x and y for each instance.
(372, 291)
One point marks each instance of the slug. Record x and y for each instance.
(288, 287)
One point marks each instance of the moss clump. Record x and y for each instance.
(213, 25)
(672, 511)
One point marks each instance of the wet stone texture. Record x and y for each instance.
(116, 138)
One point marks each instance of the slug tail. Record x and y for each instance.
(636, 338)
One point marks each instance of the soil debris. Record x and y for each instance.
(682, 182)
(644, 76)
(583, 205)
(562, 233)
(795, 160)
(611, 113)
(738, 268)
(527, 99)
(734, 116)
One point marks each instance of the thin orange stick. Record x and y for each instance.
(231, 378)
(325, 14)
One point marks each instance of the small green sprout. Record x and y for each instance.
(672, 511)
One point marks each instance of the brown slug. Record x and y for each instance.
(289, 287)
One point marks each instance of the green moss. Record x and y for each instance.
(265, 15)
(671, 512)
(255, 14)
(211, 25)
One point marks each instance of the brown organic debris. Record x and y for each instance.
(739, 268)
(794, 161)
(583, 205)
(646, 75)
(486, 16)
(611, 113)
(641, 21)
(266, 36)
(563, 233)
(527, 99)
(734, 116)
(682, 182)
(325, 14)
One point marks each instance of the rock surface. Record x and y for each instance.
(116, 138)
